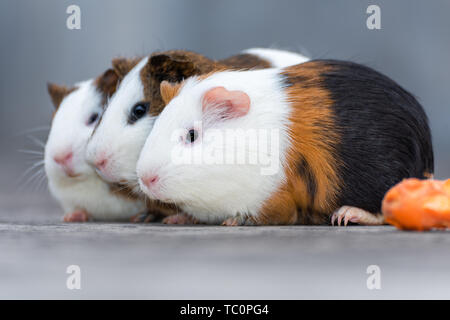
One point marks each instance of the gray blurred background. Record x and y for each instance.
(413, 48)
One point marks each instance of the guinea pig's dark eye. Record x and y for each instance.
(92, 119)
(191, 136)
(139, 110)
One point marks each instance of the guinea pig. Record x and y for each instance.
(121, 133)
(298, 145)
(71, 180)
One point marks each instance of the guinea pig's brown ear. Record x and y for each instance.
(57, 93)
(123, 65)
(227, 104)
(169, 90)
(107, 82)
(167, 67)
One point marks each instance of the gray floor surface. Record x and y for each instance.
(207, 262)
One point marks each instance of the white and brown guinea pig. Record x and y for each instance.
(343, 134)
(121, 133)
(72, 181)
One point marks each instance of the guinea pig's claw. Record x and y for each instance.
(355, 215)
(230, 222)
(239, 220)
(180, 218)
(77, 216)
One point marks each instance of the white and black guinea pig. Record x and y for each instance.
(72, 181)
(336, 136)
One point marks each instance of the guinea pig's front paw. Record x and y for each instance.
(240, 220)
(77, 216)
(356, 215)
(180, 218)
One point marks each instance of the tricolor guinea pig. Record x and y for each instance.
(302, 144)
(72, 181)
(121, 133)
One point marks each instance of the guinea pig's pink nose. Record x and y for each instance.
(101, 163)
(63, 159)
(150, 180)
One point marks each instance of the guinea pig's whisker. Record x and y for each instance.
(38, 142)
(41, 181)
(126, 187)
(33, 130)
(39, 169)
(30, 169)
(32, 160)
(117, 190)
(33, 178)
(37, 152)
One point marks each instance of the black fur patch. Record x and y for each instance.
(384, 131)
(165, 67)
(306, 173)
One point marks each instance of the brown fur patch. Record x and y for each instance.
(172, 66)
(58, 93)
(209, 74)
(161, 208)
(123, 191)
(245, 61)
(124, 65)
(177, 65)
(278, 210)
(106, 84)
(311, 166)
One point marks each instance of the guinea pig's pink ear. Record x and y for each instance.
(232, 104)
(57, 93)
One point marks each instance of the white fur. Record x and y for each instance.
(212, 193)
(70, 132)
(278, 58)
(115, 138)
